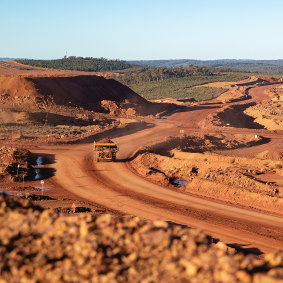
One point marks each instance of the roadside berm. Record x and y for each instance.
(37, 245)
(237, 180)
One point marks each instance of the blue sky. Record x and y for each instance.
(142, 29)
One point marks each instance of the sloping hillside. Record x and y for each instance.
(88, 92)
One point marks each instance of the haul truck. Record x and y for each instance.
(105, 150)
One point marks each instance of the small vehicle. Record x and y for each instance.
(105, 150)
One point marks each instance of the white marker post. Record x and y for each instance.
(18, 167)
(73, 207)
(42, 183)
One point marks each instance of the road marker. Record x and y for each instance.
(42, 183)
(18, 167)
(73, 207)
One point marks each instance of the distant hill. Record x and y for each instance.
(273, 66)
(87, 64)
(10, 59)
(90, 64)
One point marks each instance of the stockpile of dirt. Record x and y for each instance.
(105, 140)
(205, 142)
(273, 155)
(88, 92)
(40, 246)
(15, 164)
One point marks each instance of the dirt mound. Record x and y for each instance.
(273, 155)
(15, 164)
(205, 142)
(88, 92)
(271, 80)
(106, 140)
(39, 246)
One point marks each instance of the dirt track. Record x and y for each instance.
(114, 186)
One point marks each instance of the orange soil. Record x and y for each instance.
(114, 186)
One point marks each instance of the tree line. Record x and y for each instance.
(87, 64)
(152, 74)
(124, 72)
(258, 66)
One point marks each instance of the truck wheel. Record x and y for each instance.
(96, 158)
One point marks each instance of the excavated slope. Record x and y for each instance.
(81, 91)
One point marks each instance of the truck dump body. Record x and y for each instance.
(105, 151)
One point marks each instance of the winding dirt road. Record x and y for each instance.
(115, 186)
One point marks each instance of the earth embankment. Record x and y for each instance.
(87, 92)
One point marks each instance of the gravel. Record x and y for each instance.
(38, 245)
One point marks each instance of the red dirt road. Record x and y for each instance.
(114, 186)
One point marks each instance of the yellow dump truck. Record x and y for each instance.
(105, 150)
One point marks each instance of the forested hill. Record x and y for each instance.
(88, 64)
(272, 66)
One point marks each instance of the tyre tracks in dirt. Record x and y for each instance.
(114, 186)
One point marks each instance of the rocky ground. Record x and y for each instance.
(16, 164)
(269, 113)
(57, 125)
(37, 245)
(189, 164)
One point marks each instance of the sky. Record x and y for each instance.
(142, 29)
